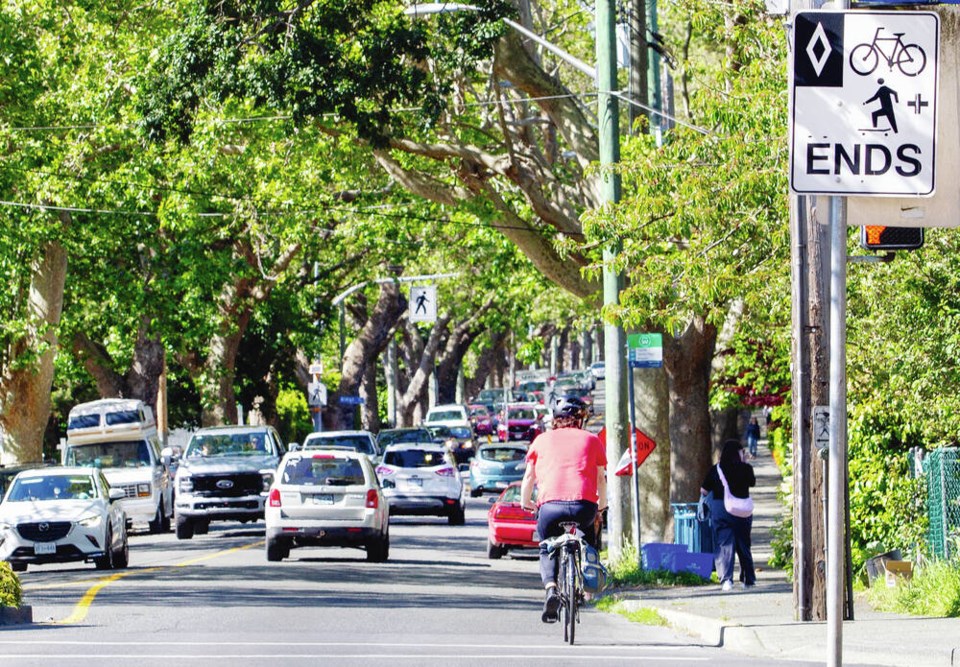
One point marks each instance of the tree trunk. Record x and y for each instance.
(367, 346)
(653, 418)
(415, 394)
(370, 410)
(25, 390)
(457, 345)
(486, 363)
(687, 361)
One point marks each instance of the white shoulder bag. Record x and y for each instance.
(741, 507)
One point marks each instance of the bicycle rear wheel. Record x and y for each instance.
(570, 584)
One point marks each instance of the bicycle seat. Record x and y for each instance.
(899, 34)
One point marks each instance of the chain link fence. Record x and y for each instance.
(942, 467)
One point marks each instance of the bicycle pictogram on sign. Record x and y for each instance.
(910, 59)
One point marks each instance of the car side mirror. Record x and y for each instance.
(293, 446)
(169, 456)
(117, 494)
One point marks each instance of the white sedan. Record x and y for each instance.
(58, 515)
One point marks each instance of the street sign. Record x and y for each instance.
(645, 350)
(645, 447)
(821, 426)
(864, 103)
(316, 394)
(423, 303)
(351, 400)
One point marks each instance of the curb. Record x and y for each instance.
(16, 615)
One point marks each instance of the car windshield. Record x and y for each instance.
(122, 454)
(358, 443)
(414, 458)
(445, 415)
(479, 411)
(407, 435)
(323, 470)
(215, 445)
(522, 413)
(53, 487)
(461, 432)
(502, 454)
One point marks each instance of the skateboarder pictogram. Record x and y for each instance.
(886, 97)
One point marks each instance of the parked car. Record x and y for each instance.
(490, 398)
(59, 515)
(224, 475)
(519, 422)
(422, 479)
(509, 526)
(582, 394)
(393, 436)
(482, 419)
(598, 368)
(327, 498)
(496, 466)
(358, 441)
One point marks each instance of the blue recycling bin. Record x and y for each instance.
(687, 530)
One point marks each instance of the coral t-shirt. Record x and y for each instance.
(565, 462)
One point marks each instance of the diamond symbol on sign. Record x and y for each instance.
(819, 39)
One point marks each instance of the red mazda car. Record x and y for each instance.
(510, 526)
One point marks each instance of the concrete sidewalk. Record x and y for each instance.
(760, 621)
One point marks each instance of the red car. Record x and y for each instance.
(481, 420)
(510, 526)
(520, 422)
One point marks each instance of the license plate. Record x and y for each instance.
(322, 499)
(535, 537)
(44, 548)
(415, 481)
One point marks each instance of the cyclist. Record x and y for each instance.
(568, 465)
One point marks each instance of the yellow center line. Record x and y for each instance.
(83, 606)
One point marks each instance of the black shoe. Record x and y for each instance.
(551, 607)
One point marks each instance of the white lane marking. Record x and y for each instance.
(73, 658)
(538, 647)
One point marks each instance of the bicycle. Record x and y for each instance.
(569, 547)
(909, 58)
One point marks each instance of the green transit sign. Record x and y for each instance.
(645, 350)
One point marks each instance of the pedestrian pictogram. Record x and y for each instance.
(423, 303)
(864, 103)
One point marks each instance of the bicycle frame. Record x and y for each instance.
(567, 548)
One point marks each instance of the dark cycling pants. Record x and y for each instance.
(549, 517)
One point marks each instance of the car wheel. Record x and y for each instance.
(105, 562)
(378, 551)
(156, 525)
(276, 551)
(18, 567)
(494, 551)
(201, 527)
(184, 528)
(476, 493)
(122, 558)
(456, 517)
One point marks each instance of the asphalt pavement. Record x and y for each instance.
(761, 621)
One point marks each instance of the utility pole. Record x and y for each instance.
(639, 62)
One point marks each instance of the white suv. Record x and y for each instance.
(327, 497)
(422, 479)
(454, 414)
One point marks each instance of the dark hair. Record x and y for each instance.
(730, 456)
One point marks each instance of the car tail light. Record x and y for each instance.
(373, 502)
(383, 471)
(446, 472)
(510, 512)
(274, 497)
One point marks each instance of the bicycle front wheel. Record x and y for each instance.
(864, 59)
(912, 60)
(571, 601)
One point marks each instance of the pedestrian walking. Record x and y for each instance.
(753, 436)
(727, 488)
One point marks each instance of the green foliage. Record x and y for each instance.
(887, 505)
(643, 615)
(11, 593)
(934, 590)
(293, 415)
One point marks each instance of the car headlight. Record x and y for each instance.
(91, 521)
(185, 484)
(143, 490)
(5, 526)
(267, 480)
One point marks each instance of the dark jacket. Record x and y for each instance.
(739, 476)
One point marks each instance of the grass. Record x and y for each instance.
(934, 590)
(643, 615)
(627, 572)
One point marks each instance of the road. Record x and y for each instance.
(215, 599)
